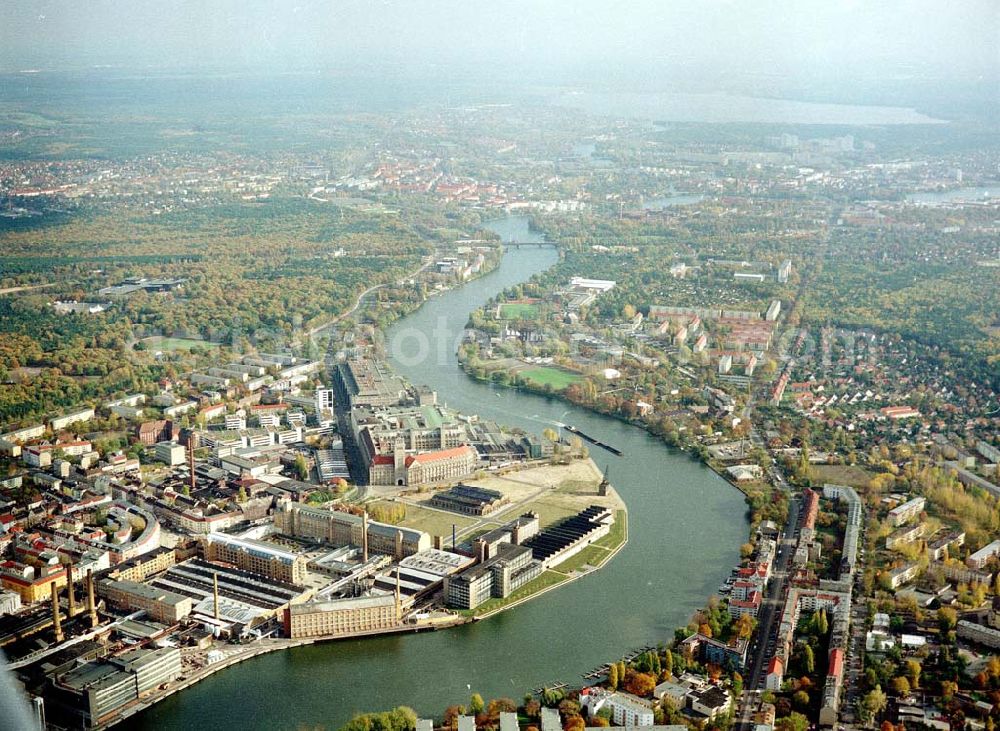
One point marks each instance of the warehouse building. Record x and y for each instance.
(160, 604)
(341, 617)
(468, 500)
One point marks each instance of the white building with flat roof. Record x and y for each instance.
(982, 557)
(600, 285)
(170, 453)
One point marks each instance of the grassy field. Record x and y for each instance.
(434, 522)
(617, 534)
(159, 342)
(849, 475)
(591, 555)
(545, 376)
(519, 311)
(546, 580)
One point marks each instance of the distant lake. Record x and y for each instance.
(992, 190)
(585, 151)
(724, 108)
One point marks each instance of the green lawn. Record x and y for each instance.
(617, 534)
(593, 555)
(519, 311)
(850, 475)
(558, 379)
(434, 522)
(546, 580)
(158, 342)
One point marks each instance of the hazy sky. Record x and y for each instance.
(653, 38)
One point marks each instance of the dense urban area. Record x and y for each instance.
(207, 454)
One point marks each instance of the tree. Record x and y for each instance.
(820, 623)
(532, 708)
(872, 705)
(451, 714)
(901, 686)
(640, 684)
(500, 705)
(947, 618)
(792, 722)
(569, 707)
(668, 663)
(808, 658)
(401, 718)
(744, 626)
(301, 466)
(574, 723)
(476, 704)
(913, 672)
(801, 699)
(613, 676)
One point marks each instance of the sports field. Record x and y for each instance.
(519, 311)
(555, 377)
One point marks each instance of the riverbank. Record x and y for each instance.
(236, 654)
(684, 530)
(553, 490)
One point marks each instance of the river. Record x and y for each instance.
(686, 526)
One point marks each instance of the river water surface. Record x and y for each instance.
(686, 525)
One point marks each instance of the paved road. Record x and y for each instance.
(428, 261)
(769, 618)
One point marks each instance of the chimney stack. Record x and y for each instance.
(399, 545)
(215, 592)
(364, 536)
(72, 599)
(91, 609)
(56, 620)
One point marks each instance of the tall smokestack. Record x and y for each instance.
(56, 619)
(91, 609)
(399, 545)
(364, 536)
(215, 592)
(72, 599)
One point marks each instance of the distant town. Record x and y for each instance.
(210, 452)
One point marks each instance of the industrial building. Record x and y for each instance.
(257, 557)
(511, 568)
(244, 597)
(341, 616)
(93, 692)
(468, 500)
(370, 383)
(558, 542)
(342, 529)
(159, 604)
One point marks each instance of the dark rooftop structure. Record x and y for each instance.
(468, 500)
(557, 538)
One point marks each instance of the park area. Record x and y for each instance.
(161, 343)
